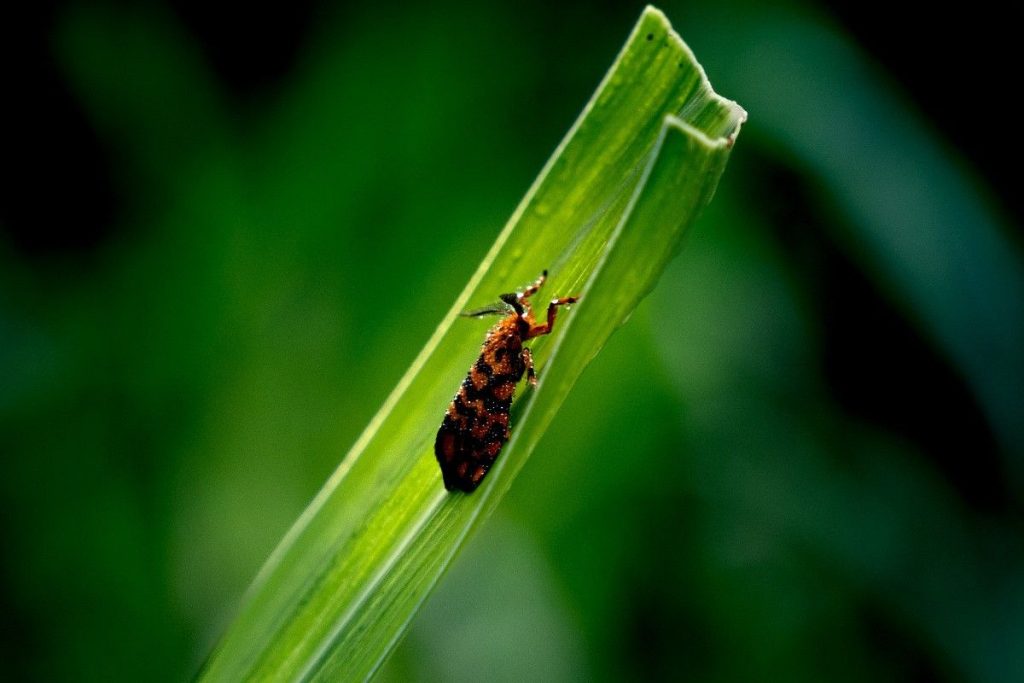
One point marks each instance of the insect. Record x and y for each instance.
(476, 425)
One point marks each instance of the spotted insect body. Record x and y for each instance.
(476, 425)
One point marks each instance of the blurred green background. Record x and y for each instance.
(225, 233)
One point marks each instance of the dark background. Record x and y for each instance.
(224, 233)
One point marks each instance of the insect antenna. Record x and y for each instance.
(499, 308)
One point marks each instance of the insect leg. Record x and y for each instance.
(531, 374)
(538, 330)
(532, 289)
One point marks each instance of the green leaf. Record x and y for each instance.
(605, 216)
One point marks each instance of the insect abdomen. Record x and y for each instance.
(476, 426)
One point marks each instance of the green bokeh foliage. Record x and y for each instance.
(703, 506)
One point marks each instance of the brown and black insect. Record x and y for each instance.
(476, 425)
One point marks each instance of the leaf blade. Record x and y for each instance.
(338, 592)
